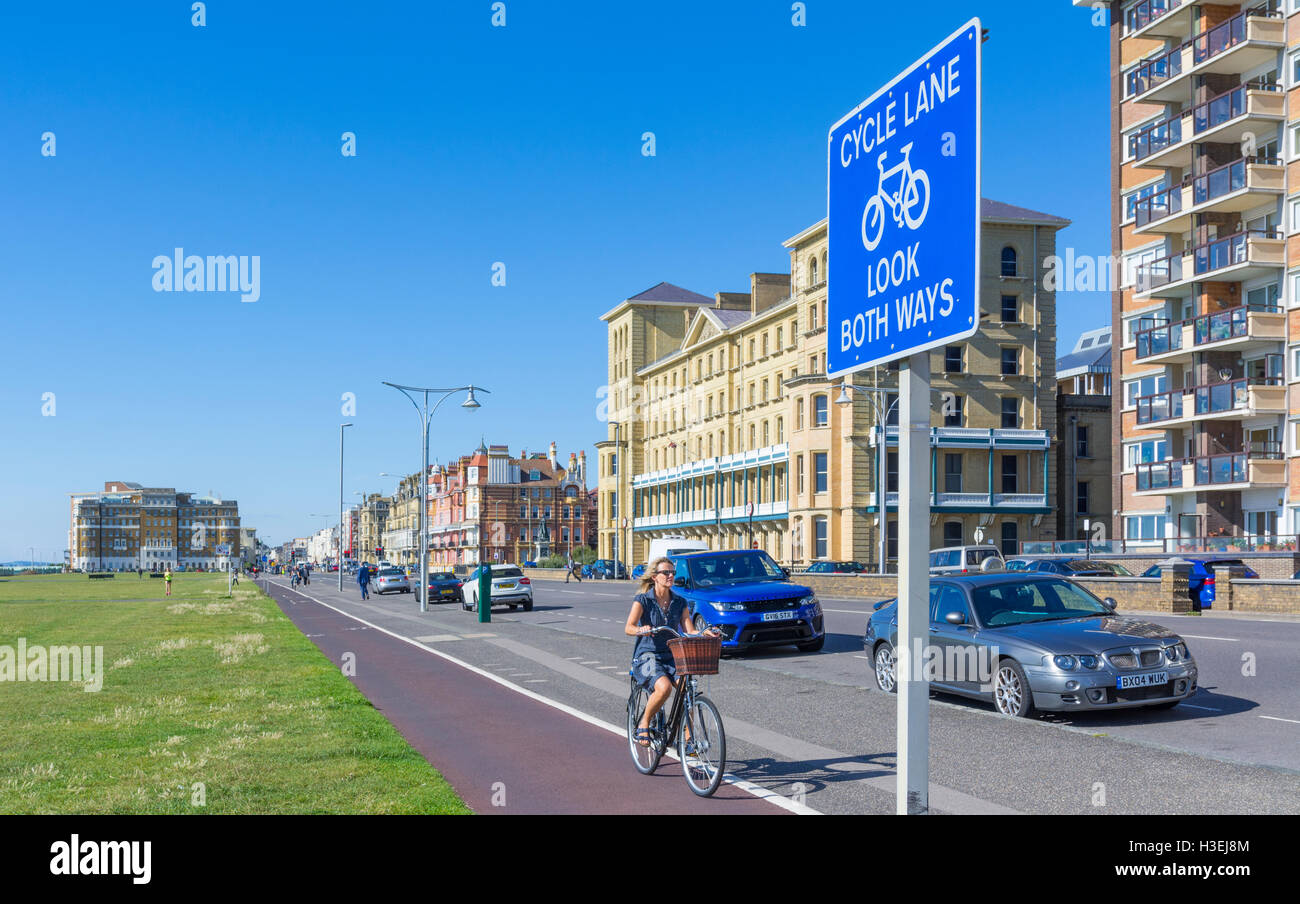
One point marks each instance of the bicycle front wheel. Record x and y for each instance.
(645, 759)
(704, 755)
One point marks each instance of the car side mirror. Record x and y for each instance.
(785, 571)
(679, 582)
(1109, 603)
(955, 618)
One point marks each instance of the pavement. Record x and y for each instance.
(810, 728)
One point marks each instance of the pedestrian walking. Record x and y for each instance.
(572, 570)
(139, 572)
(363, 579)
(167, 579)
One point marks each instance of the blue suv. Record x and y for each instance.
(747, 596)
(1200, 578)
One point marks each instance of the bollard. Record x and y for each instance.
(485, 594)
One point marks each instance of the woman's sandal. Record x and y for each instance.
(643, 737)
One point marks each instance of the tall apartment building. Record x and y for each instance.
(399, 534)
(1205, 210)
(127, 526)
(371, 519)
(724, 425)
(1083, 425)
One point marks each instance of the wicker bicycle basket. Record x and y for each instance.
(696, 655)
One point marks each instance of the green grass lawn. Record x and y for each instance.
(202, 689)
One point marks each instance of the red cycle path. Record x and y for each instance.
(478, 733)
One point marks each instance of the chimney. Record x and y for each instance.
(551, 455)
(582, 467)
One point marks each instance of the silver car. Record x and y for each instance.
(391, 580)
(1028, 641)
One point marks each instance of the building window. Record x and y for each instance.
(819, 472)
(1082, 497)
(1010, 546)
(952, 472)
(1010, 412)
(821, 413)
(812, 317)
(952, 533)
(764, 390)
(1010, 479)
(751, 351)
(766, 437)
(1010, 309)
(780, 430)
(1142, 527)
(798, 470)
(1081, 440)
(780, 342)
(819, 537)
(891, 472)
(952, 410)
(1010, 362)
(764, 344)
(752, 436)
(952, 359)
(1009, 261)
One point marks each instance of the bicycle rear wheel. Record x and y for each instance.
(704, 756)
(645, 759)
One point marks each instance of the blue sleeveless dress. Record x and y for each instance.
(651, 656)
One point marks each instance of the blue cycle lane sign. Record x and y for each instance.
(903, 209)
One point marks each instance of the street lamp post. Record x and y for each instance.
(425, 415)
(339, 559)
(620, 467)
(882, 464)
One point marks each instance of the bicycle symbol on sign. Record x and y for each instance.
(908, 205)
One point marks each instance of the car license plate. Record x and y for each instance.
(1125, 682)
(445, 592)
(509, 586)
(778, 616)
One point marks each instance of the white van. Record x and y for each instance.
(672, 546)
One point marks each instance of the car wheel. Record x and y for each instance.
(528, 606)
(1011, 693)
(465, 604)
(886, 668)
(514, 606)
(812, 646)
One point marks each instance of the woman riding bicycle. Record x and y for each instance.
(658, 605)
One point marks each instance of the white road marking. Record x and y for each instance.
(589, 662)
(620, 730)
(573, 658)
(849, 611)
(469, 636)
(601, 668)
(437, 638)
(536, 681)
(856, 656)
(1203, 637)
(1277, 719)
(1208, 709)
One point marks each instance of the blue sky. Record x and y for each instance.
(474, 144)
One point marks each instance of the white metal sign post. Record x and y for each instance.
(903, 202)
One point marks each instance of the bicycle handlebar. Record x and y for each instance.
(677, 633)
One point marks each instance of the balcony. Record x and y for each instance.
(1158, 19)
(975, 438)
(1243, 328)
(1237, 186)
(1254, 108)
(974, 502)
(1260, 467)
(763, 511)
(1232, 400)
(1236, 257)
(1249, 39)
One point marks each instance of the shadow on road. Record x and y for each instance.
(812, 775)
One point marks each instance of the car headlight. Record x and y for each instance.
(1090, 662)
(1176, 652)
(811, 600)
(1065, 663)
(730, 607)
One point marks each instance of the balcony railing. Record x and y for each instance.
(1227, 34)
(1143, 14)
(1155, 71)
(1227, 251)
(1230, 324)
(1159, 340)
(1205, 470)
(1209, 398)
(1158, 206)
(1166, 545)
(1160, 272)
(1226, 179)
(1159, 475)
(1156, 137)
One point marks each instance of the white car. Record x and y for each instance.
(509, 587)
(966, 560)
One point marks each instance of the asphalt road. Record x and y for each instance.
(813, 729)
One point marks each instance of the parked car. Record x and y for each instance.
(443, 587)
(604, 569)
(674, 546)
(1200, 578)
(638, 571)
(750, 598)
(587, 571)
(1030, 641)
(836, 568)
(392, 580)
(1069, 566)
(509, 587)
(965, 559)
